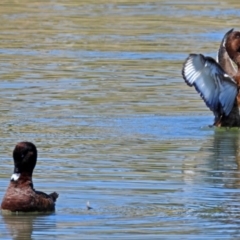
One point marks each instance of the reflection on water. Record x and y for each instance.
(96, 85)
(25, 226)
(19, 227)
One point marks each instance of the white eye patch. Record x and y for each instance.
(15, 176)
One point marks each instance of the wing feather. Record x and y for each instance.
(217, 89)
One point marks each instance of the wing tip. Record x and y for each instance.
(190, 56)
(189, 60)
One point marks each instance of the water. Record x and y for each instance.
(97, 86)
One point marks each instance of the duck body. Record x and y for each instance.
(20, 195)
(218, 82)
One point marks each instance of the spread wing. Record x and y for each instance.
(223, 58)
(217, 89)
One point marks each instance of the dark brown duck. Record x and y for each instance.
(21, 195)
(218, 82)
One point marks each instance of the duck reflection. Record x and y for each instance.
(212, 177)
(217, 161)
(222, 177)
(23, 226)
(224, 148)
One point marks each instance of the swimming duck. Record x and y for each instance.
(20, 195)
(218, 82)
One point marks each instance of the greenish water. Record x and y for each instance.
(97, 86)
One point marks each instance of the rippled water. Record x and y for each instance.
(97, 86)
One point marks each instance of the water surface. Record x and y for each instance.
(97, 86)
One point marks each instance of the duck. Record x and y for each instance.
(218, 81)
(20, 195)
(223, 58)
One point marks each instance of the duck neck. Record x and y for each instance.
(16, 177)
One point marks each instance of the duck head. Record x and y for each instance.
(233, 46)
(25, 159)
